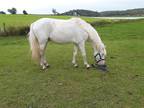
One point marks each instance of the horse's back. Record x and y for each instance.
(56, 22)
(68, 31)
(59, 30)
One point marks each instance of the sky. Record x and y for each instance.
(45, 6)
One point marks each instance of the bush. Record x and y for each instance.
(11, 31)
(103, 22)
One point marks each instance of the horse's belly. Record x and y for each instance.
(60, 39)
(62, 36)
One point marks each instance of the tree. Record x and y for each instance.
(2, 12)
(25, 12)
(54, 11)
(12, 11)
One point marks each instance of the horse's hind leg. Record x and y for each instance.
(74, 55)
(82, 49)
(43, 61)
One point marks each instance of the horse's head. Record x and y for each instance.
(101, 55)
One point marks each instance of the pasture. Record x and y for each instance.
(24, 85)
(23, 20)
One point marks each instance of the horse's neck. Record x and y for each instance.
(92, 33)
(93, 36)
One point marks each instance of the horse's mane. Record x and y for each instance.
(92, 33)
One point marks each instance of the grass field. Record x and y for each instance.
(11, 25)
(24, 20)
(24, 85)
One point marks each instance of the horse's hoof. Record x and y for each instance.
(88, 66)
(47, 65)
(75, 65)
(44, 67)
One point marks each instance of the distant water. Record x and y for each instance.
(120, 17)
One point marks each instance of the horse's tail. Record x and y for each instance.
(34, 45)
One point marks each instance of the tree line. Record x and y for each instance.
(13, 11)
(89, 13)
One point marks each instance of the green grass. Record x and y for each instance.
(11, 25)
(24, 85)
(24, 20)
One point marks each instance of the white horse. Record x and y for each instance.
(74, 30)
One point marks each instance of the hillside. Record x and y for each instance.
(81, 12)
(130, 12)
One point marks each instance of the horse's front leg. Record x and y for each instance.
(82, 49)
(74, 56)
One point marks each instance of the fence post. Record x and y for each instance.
(4, 28)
